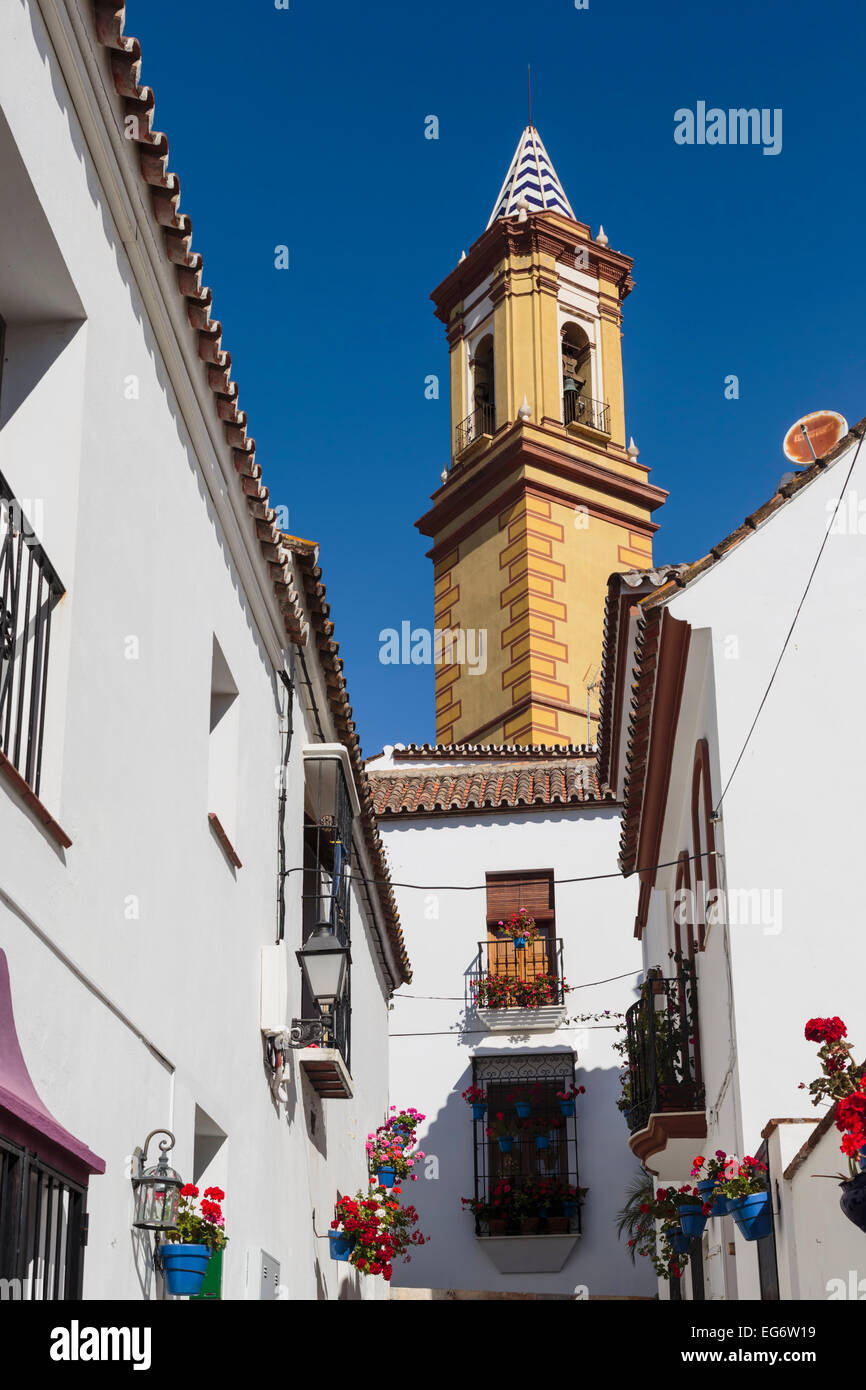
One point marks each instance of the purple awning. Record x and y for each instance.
(24, 1119)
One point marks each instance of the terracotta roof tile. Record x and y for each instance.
(501, 786)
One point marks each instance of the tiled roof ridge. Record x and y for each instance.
(638, 735)
(278, 549)
(493, 750)
(124, 55)
(657, 575)
(341, 711)
(784, 494)
(426, 791)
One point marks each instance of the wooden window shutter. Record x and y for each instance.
(507, 893)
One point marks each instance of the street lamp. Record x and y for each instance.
(324, 962)
(157, 1188)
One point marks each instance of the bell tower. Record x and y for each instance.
(542, 499)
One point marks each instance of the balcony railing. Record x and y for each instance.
(583, 410)
(505, 976)
(663, 1047)
(481, 421)
(30, 589)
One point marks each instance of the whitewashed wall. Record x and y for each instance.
(136, 518)
(431, 1059)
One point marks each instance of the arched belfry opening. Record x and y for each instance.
(576, 375)
(484, 388)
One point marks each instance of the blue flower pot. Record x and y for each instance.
(184, 1267)
(569, 1209)
(506, 1143)
(706, 1186)
(341, 1245)
(519, 942)
(692, 1221)
(523, 1109)
(386, 1176)
(567, 1108)
(721, 1205)
(680, 1242)
(863, 1160)
(542, 1141)
(753, 1215)
(478, 1109)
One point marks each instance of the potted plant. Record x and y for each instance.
(843, 1082)
(714, 1170)
(200, 1231)
(537, 1127)
(477, 1098)
(379, 1230)
(522, 1098)
(403, 1123)
(520, 927)
(567, 1098)
(745, 1187)
(388, 1156)
(502, 1130)
(526, 1207)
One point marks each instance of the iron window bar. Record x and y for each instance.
(663, 1048)
(481, 421)
(30, 589)
(43, 1228)
(525, 1163)
(504, 976)
(583, 410)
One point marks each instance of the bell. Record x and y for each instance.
(570, 384)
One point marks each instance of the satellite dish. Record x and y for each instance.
(813, 436)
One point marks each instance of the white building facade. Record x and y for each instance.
(472, 833)
(729, 728)
(174, 734)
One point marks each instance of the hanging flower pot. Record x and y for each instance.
(386, 1176)
(184, 1267)
(569, 1209)
(478, 1109)
(506, 1143)
(721, 1205)
(753, 1215)
(706, 1186)
(692, 1220)
(520, 943)
(567, 1108)
(524, 1109)
(853, 1200)
(680, 1242)
(542, 1141)
(341, 1245)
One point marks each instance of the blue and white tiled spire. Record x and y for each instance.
(533, 177)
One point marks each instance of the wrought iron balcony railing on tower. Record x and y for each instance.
(30, 589)
(482, 421)
(583, 410)
(507, 976)
(663, 1045)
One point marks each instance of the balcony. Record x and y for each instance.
(582, 413)
(663, 1091)
(29, 592)
(323, 1051)
(478, 427)
(518, 989)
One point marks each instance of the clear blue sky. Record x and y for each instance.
(306, 128)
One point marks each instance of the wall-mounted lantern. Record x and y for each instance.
(324, 961)
(157, 1188)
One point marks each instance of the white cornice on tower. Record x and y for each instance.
(531, 182)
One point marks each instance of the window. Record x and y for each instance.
(222, 777)
(30, 589)
(576, 373)
(328, 821)
(42, 1229)
(542, 1179)
(511, 970)
(481, 419)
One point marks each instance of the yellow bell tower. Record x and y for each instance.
(543, 500)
